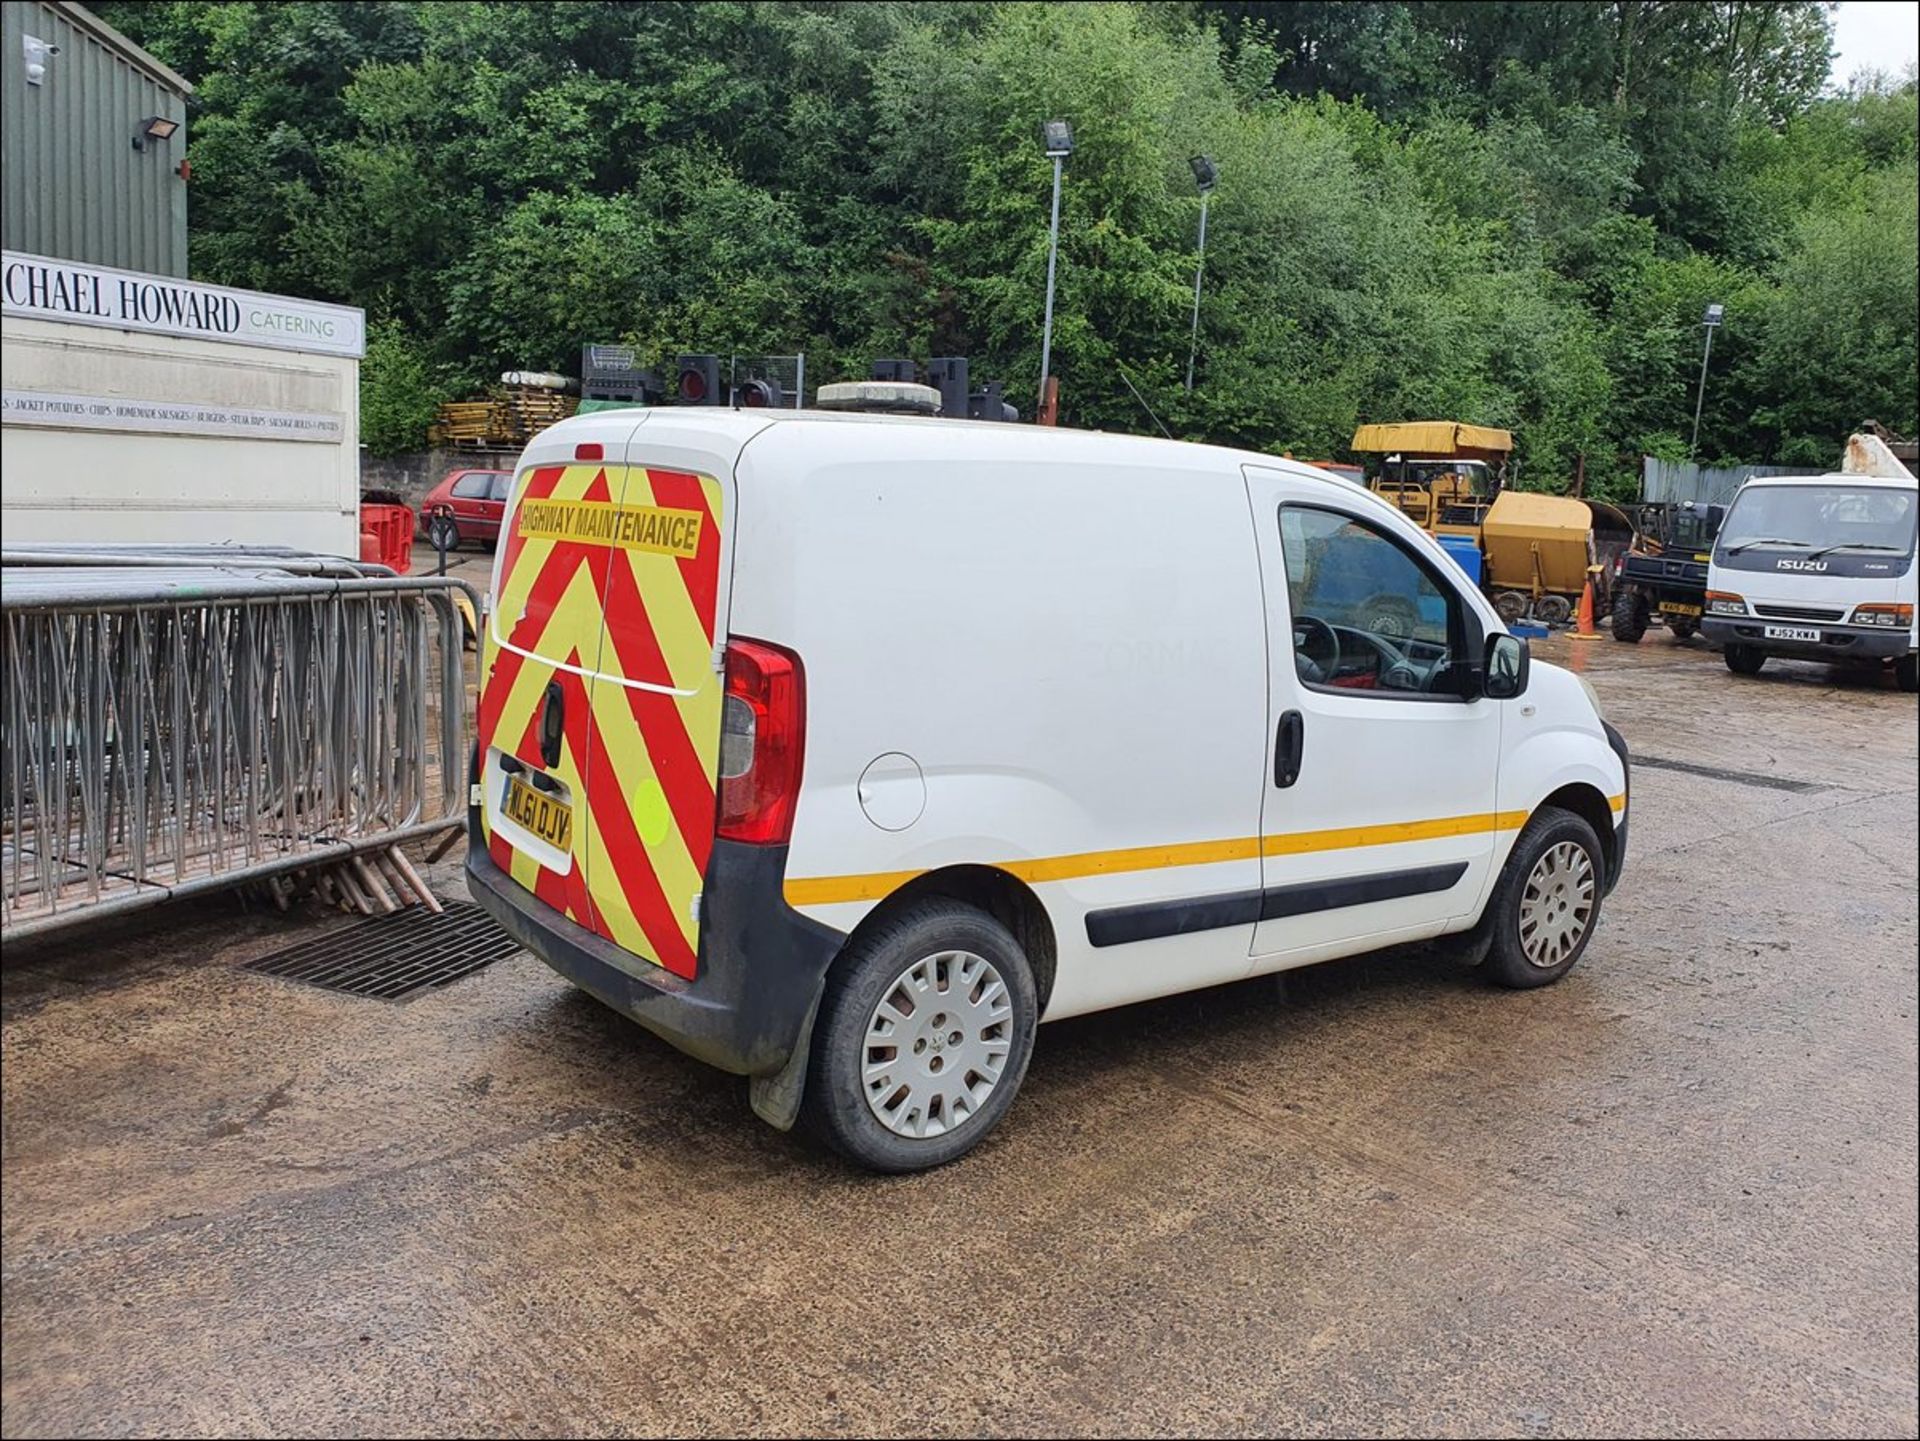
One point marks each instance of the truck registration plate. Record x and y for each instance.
(1675, 607)
(1791, 632)
(547, 817)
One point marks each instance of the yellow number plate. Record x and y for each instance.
(1674, 607)
(546, 817)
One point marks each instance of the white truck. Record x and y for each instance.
(1820, 567)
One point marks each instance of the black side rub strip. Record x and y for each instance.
(1150, 920)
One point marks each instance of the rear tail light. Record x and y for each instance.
(763, 722)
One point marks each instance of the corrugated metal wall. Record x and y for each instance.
(1672, 480)
(71, 184)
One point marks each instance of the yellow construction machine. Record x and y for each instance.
(1530, 552)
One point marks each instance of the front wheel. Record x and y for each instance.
(443, 533)
(923, 1038)
(1547, 902)
(1512, 604)
(1629, 617)
(1744, 659)
(1684, 627)
(1906, 672)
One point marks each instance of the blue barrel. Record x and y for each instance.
(1465, 553)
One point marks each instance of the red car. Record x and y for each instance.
(467, 505)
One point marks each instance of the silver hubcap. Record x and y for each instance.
(937, 1044)
(1557, 905)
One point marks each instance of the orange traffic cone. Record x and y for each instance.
(1583, 628)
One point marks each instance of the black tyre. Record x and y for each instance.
(1906, 673)
(1629, 617)
(923, 1038)
(1684, 627)
(1389, 616)
(1553, 610)
(1512, 604)
(1545, 906)
(1744, 659)
(443, 533)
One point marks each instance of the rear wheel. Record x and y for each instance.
(1906, 672)
(1629, 616)
(442, 533)
(1744, 659)
(1553, 609)
(1547, 902)
(923, 1038)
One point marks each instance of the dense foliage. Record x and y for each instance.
(1509, 213)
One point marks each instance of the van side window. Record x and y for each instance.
(473, 485)
(1367, 616)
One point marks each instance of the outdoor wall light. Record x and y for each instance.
(154, 127)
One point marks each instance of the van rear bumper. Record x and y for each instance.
(762, 964)
(1836, 643)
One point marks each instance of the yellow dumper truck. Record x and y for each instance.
(1532, 553)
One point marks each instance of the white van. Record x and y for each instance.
(1818, 567)
(840, 750)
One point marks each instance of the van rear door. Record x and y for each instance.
(655, 736)
(610, 596)
(541, 667)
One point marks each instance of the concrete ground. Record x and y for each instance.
(1675, 1193)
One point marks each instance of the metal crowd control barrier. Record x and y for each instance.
(173, 725)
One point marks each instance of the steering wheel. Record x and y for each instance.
(1396, 670)
(1305, 629)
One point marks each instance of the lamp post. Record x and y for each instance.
(1709, 320)
(1205, 174)
(1057, 137)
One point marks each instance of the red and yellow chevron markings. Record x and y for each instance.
(626, 591)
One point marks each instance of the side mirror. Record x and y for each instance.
(1508, 664)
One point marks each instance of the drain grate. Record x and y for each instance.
(1721, 773)
(394, 956)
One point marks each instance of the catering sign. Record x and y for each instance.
(38, 288)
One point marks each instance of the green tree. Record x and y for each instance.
(398, 390)
(1506, 212)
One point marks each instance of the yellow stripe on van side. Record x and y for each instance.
(832, 890)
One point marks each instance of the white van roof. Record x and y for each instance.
(911, 435)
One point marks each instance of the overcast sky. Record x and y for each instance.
(1874, 34)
